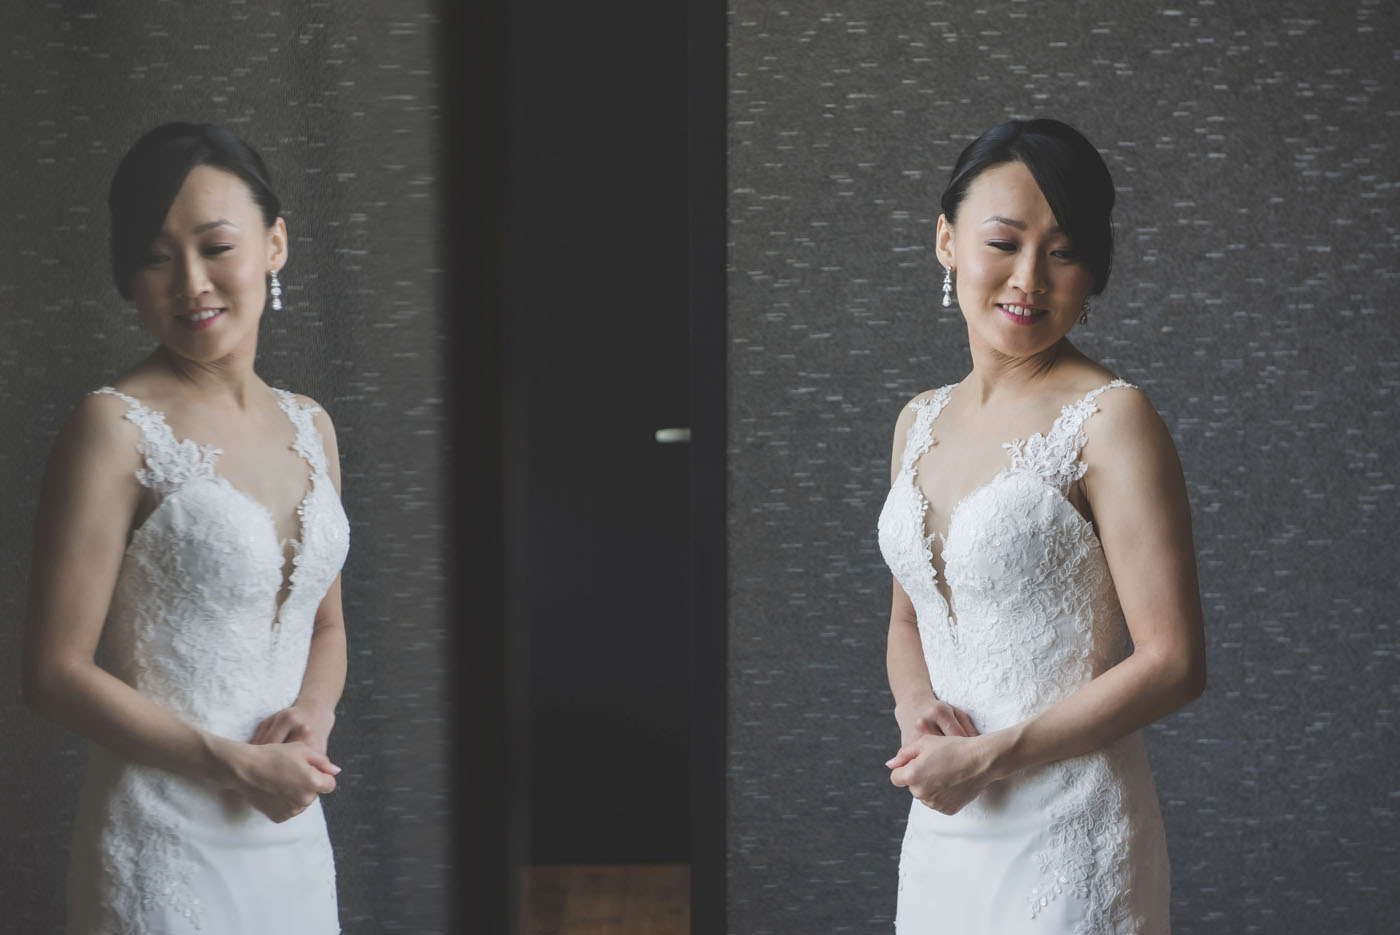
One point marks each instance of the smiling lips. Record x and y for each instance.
(200, 318)
(1022, 314)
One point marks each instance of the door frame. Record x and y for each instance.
(708, 198)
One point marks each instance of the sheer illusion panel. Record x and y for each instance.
(272, 466)
(947, 470)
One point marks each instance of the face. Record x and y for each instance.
(1020, 283)
(201, 290)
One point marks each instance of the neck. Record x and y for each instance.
(230, 377)
(995, 374)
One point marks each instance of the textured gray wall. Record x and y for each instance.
(1254, 300)
(339, 98)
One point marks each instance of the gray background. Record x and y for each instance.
(339, 99)
(1253, 300)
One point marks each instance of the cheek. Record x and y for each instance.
(1077, 279)
(146, 290)
(247, 277)
(976, 274)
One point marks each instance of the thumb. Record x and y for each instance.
(322, 762)
(905, 755)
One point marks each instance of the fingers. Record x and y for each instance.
(966, 723)
(905, 755)
(276, 729)
(929, 725)
(324, 765)
(949, 720)
(264, 729)
(955, 722)
(285, 726)
(942, 718)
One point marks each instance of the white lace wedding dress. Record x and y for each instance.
(195, 625)
(1074, 846)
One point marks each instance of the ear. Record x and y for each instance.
(943, 243)
(276, 245)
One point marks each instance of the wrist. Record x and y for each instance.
(1001, 752)
(225, 761)
(913, 705)
(316, 706)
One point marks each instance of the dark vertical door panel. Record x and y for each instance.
(597, 273)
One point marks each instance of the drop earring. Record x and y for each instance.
(276, 289)
(947, 287)
(1084, 313)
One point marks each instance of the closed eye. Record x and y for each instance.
(154, 259)
(216, 249)
(1003, 245)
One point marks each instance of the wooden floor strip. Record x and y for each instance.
(634, 899)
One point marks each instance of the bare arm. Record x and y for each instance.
(1137, 493)
(87, 502)
(917, 709)
(312, 715)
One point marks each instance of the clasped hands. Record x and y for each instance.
(284, 767)
(941, 760)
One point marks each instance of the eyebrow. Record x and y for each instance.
(201, 228)
(1019, 225)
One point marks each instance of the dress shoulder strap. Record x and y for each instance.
(920, 437)
(1055, 455)
(308, 442)
(169, 462)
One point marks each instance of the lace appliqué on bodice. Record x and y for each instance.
(195, 624)
(1031, 615)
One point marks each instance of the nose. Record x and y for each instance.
(1029, 273)
(192, 279)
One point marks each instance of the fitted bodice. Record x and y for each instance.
(1030, 611)
(202, 620)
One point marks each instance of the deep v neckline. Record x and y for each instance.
(1016, 449)
(209, 456)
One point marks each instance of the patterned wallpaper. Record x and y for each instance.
(339, 98)
(1253, 299)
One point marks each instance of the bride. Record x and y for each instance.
(1037, 519)
(189, 525)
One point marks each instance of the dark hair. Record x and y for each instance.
(150, 175)
(1070, 172)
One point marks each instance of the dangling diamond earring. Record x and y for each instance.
(1084, 313)
(276, 290)
(947, 286)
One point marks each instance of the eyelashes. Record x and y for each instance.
(213, 250)
(1006, 246)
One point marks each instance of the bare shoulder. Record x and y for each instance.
(92, 467)
(909, 410)
(98, 432)
(1127, 429)
(318, 412)
(322, 420)
(907, 413)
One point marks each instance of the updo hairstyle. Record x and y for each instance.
(1070, 172)
(150, 175)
